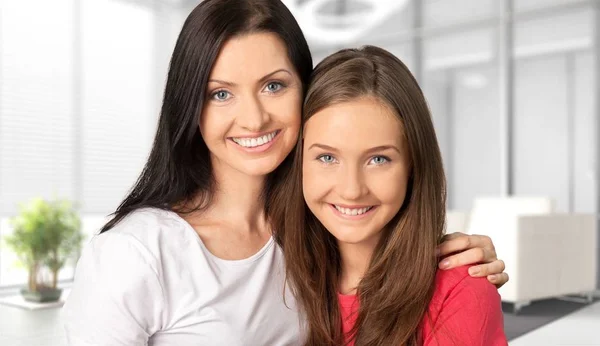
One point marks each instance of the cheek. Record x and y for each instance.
(313, 182)
(287, 109)
(214, 124)
(390, 188)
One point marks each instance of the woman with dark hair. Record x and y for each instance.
(190, 257)
(361, 245)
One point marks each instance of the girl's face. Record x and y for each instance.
(251, 116)
(355, 169)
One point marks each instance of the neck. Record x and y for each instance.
(237, 198)
(355, 260)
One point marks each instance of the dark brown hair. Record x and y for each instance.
(396, 290)
(178, 169)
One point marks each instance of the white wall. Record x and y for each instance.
(541, 136)
(585, 174)
(476, 139)
(36, 101)
(548, 95)
(77, 120)
(118, 99)
(78, 105)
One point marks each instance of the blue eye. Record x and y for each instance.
(221, 95)
(380, 160)
(326, 158)
(273, 87)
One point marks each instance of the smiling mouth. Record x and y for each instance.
(253, 142)
(352, 211)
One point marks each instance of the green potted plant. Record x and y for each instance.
(46, 234)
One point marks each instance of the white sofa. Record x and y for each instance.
(547, 254)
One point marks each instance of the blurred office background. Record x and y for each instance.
(513, 87)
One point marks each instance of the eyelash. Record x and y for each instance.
(281, 87)
(279, 83)
(320, 158)
(214, 94)
(387, 159)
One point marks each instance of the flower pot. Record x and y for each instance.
(44, 295)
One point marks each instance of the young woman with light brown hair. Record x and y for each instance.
(361, 245)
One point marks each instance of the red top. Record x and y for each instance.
(464, 311)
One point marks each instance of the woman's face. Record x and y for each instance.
(355, 169)
(251, 116)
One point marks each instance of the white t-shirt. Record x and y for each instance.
(150, 280)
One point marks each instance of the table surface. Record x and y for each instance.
(22, 327)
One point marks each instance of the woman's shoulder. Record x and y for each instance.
(115, 268)
(464, 310)
(147, 221)
(457, 287)
(147, 226)
(141, 235)
(131, 257)
(457, 282)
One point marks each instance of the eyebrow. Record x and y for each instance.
(262, 80)
(370, 150)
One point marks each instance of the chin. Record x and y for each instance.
(355, 236)
(259, 166)
(262, 167)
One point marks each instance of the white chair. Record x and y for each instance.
(456, 221)
(546, 254)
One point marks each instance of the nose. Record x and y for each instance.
(352, 185)
(253, 115)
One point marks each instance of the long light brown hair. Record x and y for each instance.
(398, 285)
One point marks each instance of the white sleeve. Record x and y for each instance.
(116, 298)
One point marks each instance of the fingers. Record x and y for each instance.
(498, 279)
(493, 271)
(453, 235)
(457, 242)
(470, 256)
(487, 269)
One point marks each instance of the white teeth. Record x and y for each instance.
(352, 212)
(254, 142)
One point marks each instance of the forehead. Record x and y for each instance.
(360, 123)
(250, 57)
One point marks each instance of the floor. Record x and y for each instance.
(578, 326)
(581, 328)
(536, 315)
